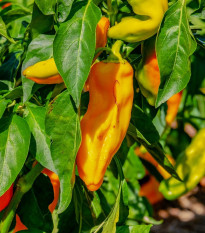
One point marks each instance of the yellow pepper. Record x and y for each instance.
(42, 69)
(146, 22)
(46, 72)
(148, 74)
(105, 123)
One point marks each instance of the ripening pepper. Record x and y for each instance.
(105, 123)
(5, 5)
(6, 198)
(101, 41)
(190, 168)
(142, 153)
(46, 72)
(173, 106)
(148, 74)
(150, 190)
(146, 22)
(150, 185)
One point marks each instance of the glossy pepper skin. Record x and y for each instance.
(150, 188)
(101, 41)
(6, 198)
(46, 72)
(148, 74)
(173, 106)
(105, 123)
(146, 22)
(190, 168)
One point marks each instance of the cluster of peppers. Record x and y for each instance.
(110, 86)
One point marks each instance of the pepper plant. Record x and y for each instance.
(98, 102)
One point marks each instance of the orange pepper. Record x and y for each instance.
(173, 106)
(51, 80)
(5, 5)
(150, 190)
(106, 121)
(6, 198)
(101, 41)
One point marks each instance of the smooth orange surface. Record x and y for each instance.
(173, 106)
(150, 190)
(5, 5)
(6, 198)
(142, 153)
(51, 80)
(101, 40)
(19, 225)
(56, 187)
(105, 123)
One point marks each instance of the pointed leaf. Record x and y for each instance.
(3, 31)
(74, 47)
(63, 126)
(14, 146)
(174, 46)
(35, 117)
(46, 6)
(64, 7)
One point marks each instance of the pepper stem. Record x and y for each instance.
(116, 55)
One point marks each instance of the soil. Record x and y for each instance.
(185, 215)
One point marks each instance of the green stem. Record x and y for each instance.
(24, 184)
(116, 55)
(112, 12)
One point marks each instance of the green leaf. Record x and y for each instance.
(8, 70)
(154, 149)
(41, 48)
(63, 127)
(174, 46)
(120, 210)
(14, 94)
(133, 167)
(14, 146)
(3, 31)
(74, 47)
(3, 104)
(35, 117)
(145, 128)
(40, 23)
(134, 229)
(37, 216)
(64, 7)
(46, 6)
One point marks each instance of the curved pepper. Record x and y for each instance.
(173, 106)
(46, 72)
(149, 14)
(190, 168)
(148, 74)
(105, 123)
(6, 198)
